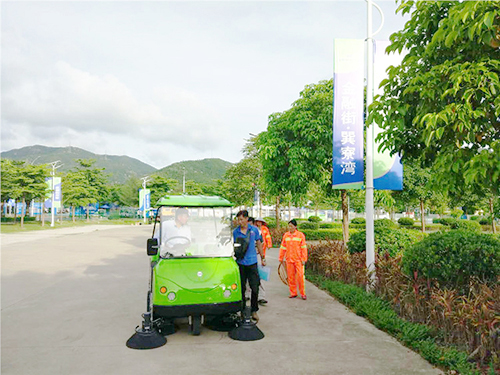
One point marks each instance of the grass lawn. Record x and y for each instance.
(37, 225)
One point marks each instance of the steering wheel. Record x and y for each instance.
(180, 246)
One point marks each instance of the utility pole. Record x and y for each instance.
(184, 181)
(54, 165)
(370, 235)
(144, 181)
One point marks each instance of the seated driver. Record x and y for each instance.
(175, 233)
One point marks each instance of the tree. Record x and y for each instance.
(23, 181)
(160, 186)
(85, 185)
(417, 188)
(239, 185)
(129, 192)
(442, 104)
(297, 146)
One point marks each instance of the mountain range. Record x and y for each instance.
(121, 168)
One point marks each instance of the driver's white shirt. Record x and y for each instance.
(170, 229)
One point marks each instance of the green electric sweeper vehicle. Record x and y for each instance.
(193, 272)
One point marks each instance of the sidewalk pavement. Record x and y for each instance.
(69, 306)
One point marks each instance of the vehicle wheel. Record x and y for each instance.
(194, 327)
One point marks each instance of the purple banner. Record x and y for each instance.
(348, 165)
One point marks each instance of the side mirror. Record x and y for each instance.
(152, 246)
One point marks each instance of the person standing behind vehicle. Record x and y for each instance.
(294, 250)
(267, 243)
(248, 264)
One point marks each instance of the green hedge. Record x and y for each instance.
(392, 241)
(485, 221)
(447, 221)
(271, 222)
(326, 234)
(385, 223)
(468, 225)
(357, 226)
(330, 225)
(308, 225)
(18, 219)
(415, 336)
(406, 221)
(314, 219)
(358, 220)
(453, 258)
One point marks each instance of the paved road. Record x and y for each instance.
(70, 302)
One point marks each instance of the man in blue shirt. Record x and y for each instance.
(248, 264)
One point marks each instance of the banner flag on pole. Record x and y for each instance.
(57, 192)
(144, 193)
(348, 85)
(387, 169)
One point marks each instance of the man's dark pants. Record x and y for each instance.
(250, 273)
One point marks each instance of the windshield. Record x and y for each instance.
(194, 232)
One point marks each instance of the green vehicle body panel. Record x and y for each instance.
(196, 281)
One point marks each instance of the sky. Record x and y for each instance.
(165, 81)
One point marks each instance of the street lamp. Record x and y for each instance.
(55, 165)
(144, 181)
(184, 181)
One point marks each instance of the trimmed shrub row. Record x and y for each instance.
(18, 219)
(326, 234)
(392, 241)
(453, 258)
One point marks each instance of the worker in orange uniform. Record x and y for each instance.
(294, 251)
(267, 243)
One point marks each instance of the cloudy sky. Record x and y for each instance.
(164, 81)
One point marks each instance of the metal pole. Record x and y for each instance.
(184, 181)
(54, 167)
(144, 181)
(370, 236)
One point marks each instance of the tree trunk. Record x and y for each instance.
(422, 215)
(492, 214)
(73, 209)
(15, 211)
(345, 216)
(278, 211)
(289, 211)
(42, 213)
(88, 213)
(22, 212)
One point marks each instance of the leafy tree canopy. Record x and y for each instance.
(442, 104)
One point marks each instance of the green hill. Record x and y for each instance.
(120, 168)
(205, 171)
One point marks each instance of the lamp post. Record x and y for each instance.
(184, 180)
(144, 181)
(54, 165)
(370, 235)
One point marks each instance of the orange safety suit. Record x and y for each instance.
(267, 241)
(294, 251)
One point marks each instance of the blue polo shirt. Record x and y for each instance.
(251, 254)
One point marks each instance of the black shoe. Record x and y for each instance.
(247, 298)
(262, 301)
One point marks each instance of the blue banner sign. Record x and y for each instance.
(348, 81)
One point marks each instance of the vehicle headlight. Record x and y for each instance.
(227, 293)
(171, 296)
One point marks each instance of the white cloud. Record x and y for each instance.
(163, 81)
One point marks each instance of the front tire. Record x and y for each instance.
(194, 326)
